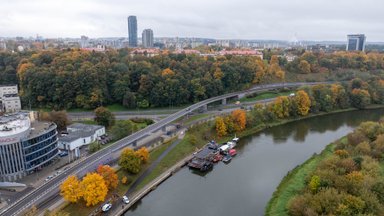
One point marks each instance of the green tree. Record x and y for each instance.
(123, 128)
(104, 117)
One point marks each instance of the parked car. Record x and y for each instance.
(48, 178)
(63, 153)
(106, 207)
(125, 199)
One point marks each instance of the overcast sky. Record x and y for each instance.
(221, 19)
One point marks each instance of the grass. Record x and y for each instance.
(266, 95)
(294, 182)
(196, 117)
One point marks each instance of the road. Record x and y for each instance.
(89, 164)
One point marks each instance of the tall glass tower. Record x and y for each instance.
(132, 31)
(147, 38)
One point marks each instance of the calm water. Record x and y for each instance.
(244, 186)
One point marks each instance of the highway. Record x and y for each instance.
(88, 164)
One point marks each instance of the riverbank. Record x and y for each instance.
(293, 182)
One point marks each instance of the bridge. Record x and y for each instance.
(89, 164)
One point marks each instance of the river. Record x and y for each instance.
(244, 186)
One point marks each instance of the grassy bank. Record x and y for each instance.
(293, 182)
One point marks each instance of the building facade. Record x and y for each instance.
(147, 38)
(356, 42)
(132, 31)
(79, 135)
(26, 145)
(9, 99)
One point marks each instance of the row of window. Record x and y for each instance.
(39, 146)
(33, 156)
(44, 159)
(38, 139)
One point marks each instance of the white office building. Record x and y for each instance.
(79, 135)
(9, 99)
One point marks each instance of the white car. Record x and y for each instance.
(125, 199)
(106, 207)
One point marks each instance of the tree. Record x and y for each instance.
(360, 98)
(303, 102)
(94, 147)
(304, 67)
(31, 211)
(130, 161)
(104, 117)
(239, 119)
(221, 128)
(143, 153)
(109, 175)
(124, 180)
(280, 106)
(70, 190)
(122, 129)
(60, 118)
(314, 184)
(94, 189)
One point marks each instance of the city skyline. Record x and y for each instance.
(289, 20)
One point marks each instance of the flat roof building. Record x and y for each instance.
(9, 99)
(26, 145)
(147, 38)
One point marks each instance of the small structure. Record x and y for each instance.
(79, 135)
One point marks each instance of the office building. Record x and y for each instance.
(9, 99)
(356, 42)
(132, 31)
(26, 145)
(147, 38)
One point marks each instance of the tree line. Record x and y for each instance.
(71, 78)
(349, 182)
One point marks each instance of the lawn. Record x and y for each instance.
(266, 95)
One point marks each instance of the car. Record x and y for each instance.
(48, 178)
(106, 207)
(63, 153)
(125, 199)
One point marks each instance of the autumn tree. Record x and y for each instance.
(360, 98)
(60, 118)
(240, 119)
(304, 67)
(130, 161)
(104, 117)
(221, 128)
(70, 189)
(94, 189)
(109, 175)
(303, 102)
(143, 153)
(280, 106)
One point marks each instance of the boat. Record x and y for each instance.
(232, 152)
(227, 158)
(224, 149)
(217, 158)
(231, 144)
(236, 139)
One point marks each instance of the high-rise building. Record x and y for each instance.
(147, 38)
(356, 42)
(132, 31)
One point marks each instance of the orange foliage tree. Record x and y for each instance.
(94, 189)
(240, 119)
(221, 128)
(70, 190)
(143, 153)
(303, 102)
(109, 175)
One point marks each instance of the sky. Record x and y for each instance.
(290, 20)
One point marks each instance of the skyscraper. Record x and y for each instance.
(356, 42)
(147, 38)
(132, 31)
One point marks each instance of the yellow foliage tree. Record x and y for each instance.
(303, 102)
(109, 175)
(240, 119)
(281, 106)
(130, 161)
(167, 72)
(221, 128)
(143, 153)
(304, 67)
(94, 189)
(70, 190)
(124, 180)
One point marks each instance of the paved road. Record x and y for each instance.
(89, 163)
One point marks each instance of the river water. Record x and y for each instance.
(244, 186)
